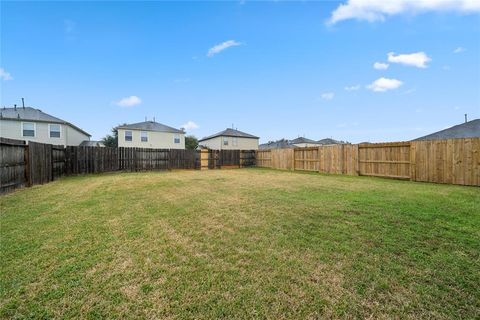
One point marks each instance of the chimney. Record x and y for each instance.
(465, 118)
(23, 103)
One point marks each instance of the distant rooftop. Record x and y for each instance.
(150, 126)
(329, 141)
(230, 133)
(470, 129)
(303, 140)
(285, 144)
(32, 114)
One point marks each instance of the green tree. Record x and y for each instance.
(111, 140)
(191, 142)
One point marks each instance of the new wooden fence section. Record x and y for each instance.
(275, 158)
(455, 161)
(391, 160)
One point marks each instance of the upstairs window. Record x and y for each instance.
(128, 135)
(176, 139)
(225, 141)
(54, 130)
(28, 129)
(144, 136)
(235, 141)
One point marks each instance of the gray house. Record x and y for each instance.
(29, 124)
(470, 129)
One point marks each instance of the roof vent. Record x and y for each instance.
(18, 115)
(15, 106)
(23, 103)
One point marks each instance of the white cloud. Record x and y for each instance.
(129, 101)
(4, 75)
(190, 125)
(378, 10)
(353, 88)
(380, 66)
(384, 84)
(417, 59)
(328, 95)
(459, 50)
(222, 46)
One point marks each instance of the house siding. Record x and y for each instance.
(69, 136)
(156, 140)
(243, 143)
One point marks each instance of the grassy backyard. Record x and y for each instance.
(247, 243)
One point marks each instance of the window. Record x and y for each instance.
(225, 141)
(128, 135)
(54, 130)
(28, 129)
(176, 139)
(144, 136)
(235, 141)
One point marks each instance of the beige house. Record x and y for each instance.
(230, 139)
(150, 134)
(31, 124)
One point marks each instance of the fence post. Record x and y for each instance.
(28, 179)
(412, 165)
(204, 159)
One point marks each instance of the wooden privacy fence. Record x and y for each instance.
(36, 163)
(13, 164)
(454, 161)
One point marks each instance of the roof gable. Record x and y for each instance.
(230, 133)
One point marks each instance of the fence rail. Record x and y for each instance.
(24, 164)
(454, 161)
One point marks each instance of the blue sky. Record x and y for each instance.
(274, 69)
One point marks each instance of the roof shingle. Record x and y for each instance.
(150, 126)
(230, 133)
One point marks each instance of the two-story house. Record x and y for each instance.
(29, 124)
(150, 134)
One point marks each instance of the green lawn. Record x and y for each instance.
(247, 243)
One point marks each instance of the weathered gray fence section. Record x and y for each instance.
(40, 163)
(12, 164)
(82, 160)
(36, 163)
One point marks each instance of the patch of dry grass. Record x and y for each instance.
(247, 243)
